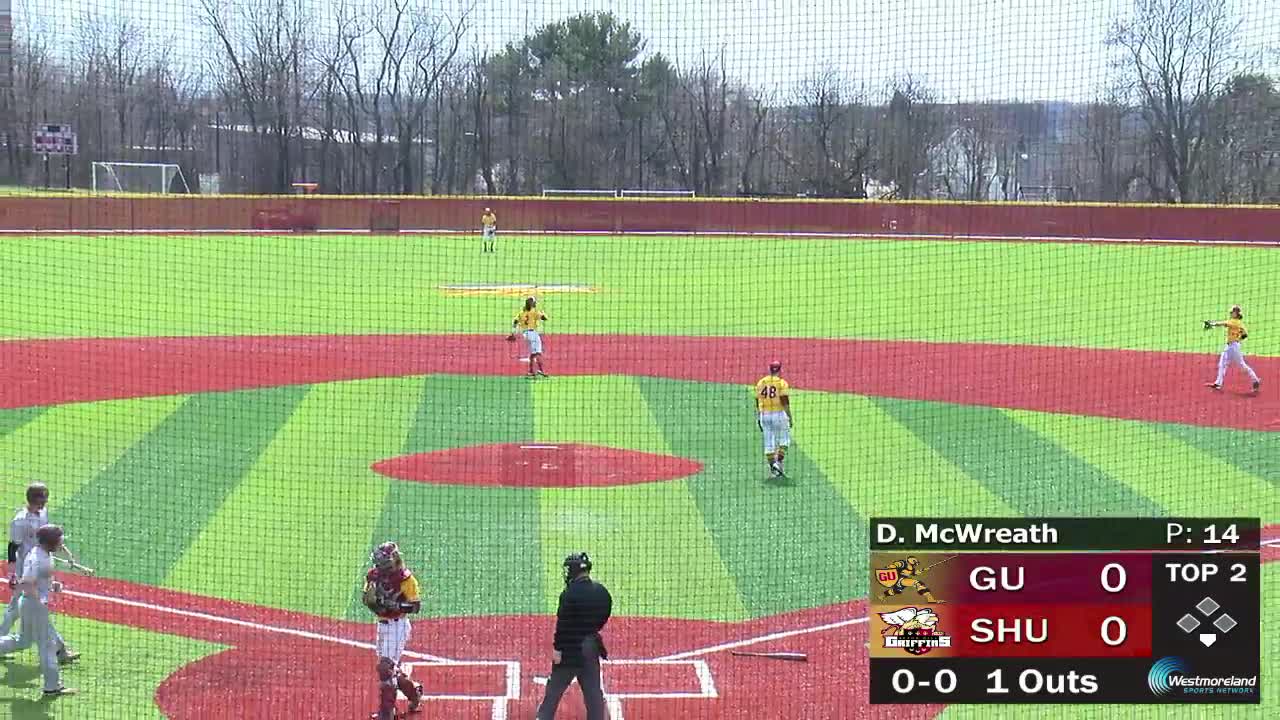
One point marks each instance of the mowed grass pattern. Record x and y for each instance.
(208, 493)
(194, 492)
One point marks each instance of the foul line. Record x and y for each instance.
(247, 624)
(763, 638)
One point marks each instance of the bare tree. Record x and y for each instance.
(969, 155)
(1179, 54)
(707, 88)
(479, 93)
(34, 71)
(829, 147)
(914, 127)
(750, 121)
(263, 46)
(1110, 148)
(417, 48)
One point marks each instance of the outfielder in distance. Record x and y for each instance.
(1231, 354)
(773, 417)
(391, 592)
(526, 323)
(22, 540)
(488, 231)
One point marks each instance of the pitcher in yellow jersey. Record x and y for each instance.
(773, 408)
(1231, 354)
(527, 323)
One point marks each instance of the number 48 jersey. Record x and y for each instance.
(769, 392)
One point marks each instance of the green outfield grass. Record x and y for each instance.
(122, 668)
(1108, 296)
(184, 492)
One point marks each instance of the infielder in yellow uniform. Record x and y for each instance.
(773, 408)
(527, 323)
(1231, 354)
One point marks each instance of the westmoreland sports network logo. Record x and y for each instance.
(1171, 678)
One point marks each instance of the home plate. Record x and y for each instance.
(1208, 639)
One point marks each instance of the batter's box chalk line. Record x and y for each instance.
(613, 700)
(500, 703)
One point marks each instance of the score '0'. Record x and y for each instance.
(1124, 577)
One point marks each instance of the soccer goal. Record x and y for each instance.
(560, 192)
(128, 177)
(1047, 193)
(657, 193)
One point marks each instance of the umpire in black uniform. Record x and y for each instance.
(585, 606)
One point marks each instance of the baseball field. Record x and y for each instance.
(230, 424)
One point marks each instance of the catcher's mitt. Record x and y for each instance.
(1208, 324)
(379, 602)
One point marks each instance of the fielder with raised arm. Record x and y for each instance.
(526, 323)
(1231, 354)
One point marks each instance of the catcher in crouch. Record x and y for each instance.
(391, 592)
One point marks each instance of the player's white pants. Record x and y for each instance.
(37, 629)
(489, 233)
(393, 635)
(11, 614)
(777, 430)
(534, 340)
(1231, 355)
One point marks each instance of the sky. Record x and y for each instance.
(966, 50)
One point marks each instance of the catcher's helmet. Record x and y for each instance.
(387, 556)
(775, 366)
(49, 537)
(575, 565)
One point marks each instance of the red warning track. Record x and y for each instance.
(1138, 385)
(559, 465)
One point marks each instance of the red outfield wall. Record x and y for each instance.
(1000, 220)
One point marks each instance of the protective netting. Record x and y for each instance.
(229, 422)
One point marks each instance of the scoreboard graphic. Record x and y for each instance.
(1065, 610)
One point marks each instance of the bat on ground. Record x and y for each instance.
(792, 656)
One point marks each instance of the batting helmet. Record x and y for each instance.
(575, 565)
(37, 493)
(387, 556)
(775, 366)
(49, 537)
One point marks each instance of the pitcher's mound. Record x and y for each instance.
(537, 465)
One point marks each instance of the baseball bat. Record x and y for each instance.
(74, 565)
(792, 656)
